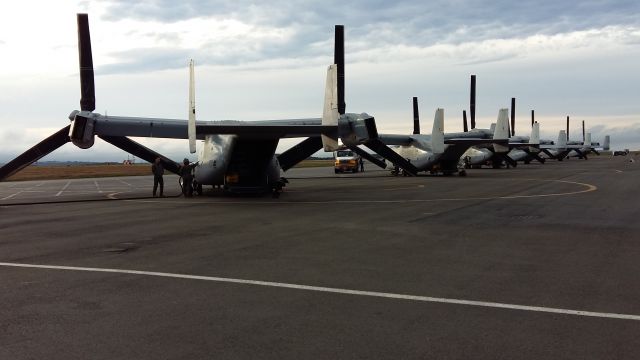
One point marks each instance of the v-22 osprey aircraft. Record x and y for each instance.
(239, 155)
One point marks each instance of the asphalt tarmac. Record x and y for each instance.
(537, 262)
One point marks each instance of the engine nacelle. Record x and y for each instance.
(81, 131)
(355, 129)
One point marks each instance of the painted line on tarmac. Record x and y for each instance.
(64, 188)
(22, 191)
(587, 188)
(376, 294)
(97, 186)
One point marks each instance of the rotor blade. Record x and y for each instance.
(35, 153)
(87, 87)
(338, 59)
(534, 156)
(301, 151)
(191, 127)
(513, 116)
(388, 153)
(141, 151)
(472, 103)
(465, 127)
(532, 117)
(509, 160)
(416, 116)
(368, 156)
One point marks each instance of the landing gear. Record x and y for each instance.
(278, 186)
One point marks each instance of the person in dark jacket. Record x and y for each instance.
(158, 171)
(361, 165)
(187, 178)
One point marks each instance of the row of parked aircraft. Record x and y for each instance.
(240, 155)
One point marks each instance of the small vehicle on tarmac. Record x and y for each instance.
(346, 160)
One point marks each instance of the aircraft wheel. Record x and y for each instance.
(462, 173)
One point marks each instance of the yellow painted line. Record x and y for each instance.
(586, 188)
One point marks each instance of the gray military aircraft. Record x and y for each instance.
(580, 149)
(238, 155)
(557, 150)
(435, 153)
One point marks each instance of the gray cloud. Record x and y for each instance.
(625, 137)
(370, 25)
(415, 17)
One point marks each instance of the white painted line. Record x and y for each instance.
(113, 196)
(21, 191)
(97, 186)
(10, 196)
(126, 183)
(338, 291)
(619, 171)
(64, 188)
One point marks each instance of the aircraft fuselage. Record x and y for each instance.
(237, 165)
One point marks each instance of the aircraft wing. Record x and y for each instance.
(515, 145)
(177, 129)
(475, 142)
(393, 139)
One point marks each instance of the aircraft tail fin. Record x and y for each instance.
(587, 140)
(501, 131)
(535, 134)
(562, 140)
(192, 111)
(330, 112)
(607, 141)
(437, 133)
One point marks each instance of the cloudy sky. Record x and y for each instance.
(267, 60)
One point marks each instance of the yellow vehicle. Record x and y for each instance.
(346, 160)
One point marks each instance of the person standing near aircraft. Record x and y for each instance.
(361, 165)
(158, 171)
(187, 178)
